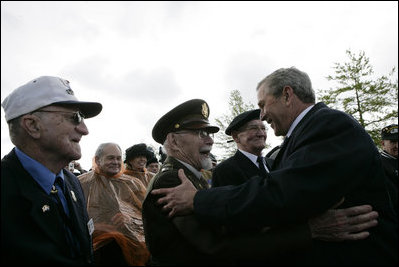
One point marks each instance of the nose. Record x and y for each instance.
(262, 115)
(82, 128)
(208, 140)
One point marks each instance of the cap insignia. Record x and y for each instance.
(205, 110)
(69, 92)
(177, 126)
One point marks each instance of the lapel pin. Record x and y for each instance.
(45, 208)
(73, 196)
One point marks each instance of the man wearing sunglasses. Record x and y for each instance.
(43, 212)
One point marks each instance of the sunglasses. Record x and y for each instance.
(76, 118)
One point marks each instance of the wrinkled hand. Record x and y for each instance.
(177, 200)
(343, 224)
(120, 219)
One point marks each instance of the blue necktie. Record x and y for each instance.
(58, 188)
(58, 193)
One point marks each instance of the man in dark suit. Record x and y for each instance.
(43, 211)
(389, 158)
(249, 133)
(326, 155)
(186, 135)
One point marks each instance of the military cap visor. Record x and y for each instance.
(242, 119)
(190, 115)
(390, 132)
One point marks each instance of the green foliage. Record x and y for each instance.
(237, 106)
(370, 100)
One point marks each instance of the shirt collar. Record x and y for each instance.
(43, 176)
(251, 156)
(192, 169)
(254, 158)
(298, 119)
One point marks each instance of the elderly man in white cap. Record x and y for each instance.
(43, 212)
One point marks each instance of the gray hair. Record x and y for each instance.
(298, 80)
(101, 147)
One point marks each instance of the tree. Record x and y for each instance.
(237, 106)
(371, 101)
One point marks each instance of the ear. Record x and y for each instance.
(235, 137)
(32, 125)
(97, 160)
(172, 141)
(288, 94)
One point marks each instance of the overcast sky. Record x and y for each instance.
(141, 59)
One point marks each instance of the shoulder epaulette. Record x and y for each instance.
(166, 167)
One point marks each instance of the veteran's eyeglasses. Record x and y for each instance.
(77, 117)
(201, 133)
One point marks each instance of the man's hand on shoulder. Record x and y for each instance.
(177, 200)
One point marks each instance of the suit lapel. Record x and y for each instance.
(75, 203)
(287, 146)
(44, 210)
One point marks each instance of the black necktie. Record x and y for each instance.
(262, 166)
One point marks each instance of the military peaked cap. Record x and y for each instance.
(390, 132)
(241, 119)
(190, 115)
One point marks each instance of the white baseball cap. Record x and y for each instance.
(44, 91)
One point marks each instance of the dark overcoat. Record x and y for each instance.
(328, 156)
(234, 170)
(32, 231)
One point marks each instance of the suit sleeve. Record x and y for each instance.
(243, 246)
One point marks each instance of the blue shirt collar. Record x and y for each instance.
(43, 176)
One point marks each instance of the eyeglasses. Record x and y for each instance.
(255, 128)
(76, 118)
(201, 133)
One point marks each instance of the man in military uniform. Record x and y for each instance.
(389, 157)
(186, 135)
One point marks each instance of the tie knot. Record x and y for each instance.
(260, 159)
(58, 185)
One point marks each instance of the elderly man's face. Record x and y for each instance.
(194, 149)
(274, 111)
(60, 133)
(391, 147)
(110, 162)
(251, 137)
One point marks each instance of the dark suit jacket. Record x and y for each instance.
(328, 156)
(32, 231)
(184, 241)
(234, 170)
